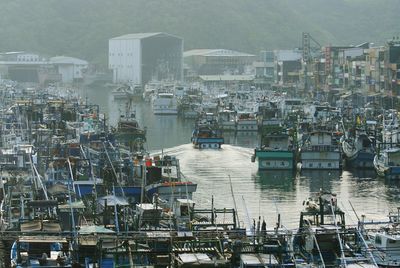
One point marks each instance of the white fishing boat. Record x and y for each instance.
(165, 104)
(387, 158)
(246, 121)
(226, 120)
(122, 92)
(318, 151)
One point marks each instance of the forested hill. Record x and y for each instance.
(82, 28)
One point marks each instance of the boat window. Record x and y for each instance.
(378, 240)
(394, 157)
(320, 139)
(184, 210)
(392, 241)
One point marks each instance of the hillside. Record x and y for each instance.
(82, 28)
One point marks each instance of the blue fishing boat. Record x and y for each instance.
(359, 151)
(206, 133)
(358, 144)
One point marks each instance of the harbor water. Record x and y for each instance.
(219, 173)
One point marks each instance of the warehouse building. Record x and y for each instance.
(217, 61)
(141, 57)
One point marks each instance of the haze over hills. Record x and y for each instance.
(82, 28)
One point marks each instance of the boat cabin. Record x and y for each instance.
(276, 141)
(388, 242)
(393, 157)
(32, 251)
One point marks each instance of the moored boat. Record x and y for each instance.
(165, 104)
(206, 133)
(277, 150)
(319, 151)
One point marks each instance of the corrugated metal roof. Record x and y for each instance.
(216, 53)
(67, 60)
(141, 36)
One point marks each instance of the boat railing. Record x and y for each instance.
(320, 148)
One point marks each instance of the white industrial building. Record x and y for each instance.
(71, 69)
(139, 58)
(30, 67)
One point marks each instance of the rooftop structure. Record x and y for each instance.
(217, 61)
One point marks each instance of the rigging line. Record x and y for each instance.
(72, 176)
(113, 169)
(91, 170)
(343, 258)
(360, 234)
(319, 250)
(249, 224)
(39, 181)
(234, 201)
(347, 212)
(74, 233)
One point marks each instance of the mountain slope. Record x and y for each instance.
(82, 28)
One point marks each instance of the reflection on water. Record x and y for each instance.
(265, 193)
(275, 180)
(163, 131)
(317, 180)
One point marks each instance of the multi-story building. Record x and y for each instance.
(375, 69)
(287, 66)
(392, 65)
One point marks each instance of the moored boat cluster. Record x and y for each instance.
(76, 192)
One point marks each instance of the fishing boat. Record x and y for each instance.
(383, 239)
(246, 121)
(165, 103)
(206, 133)
(123, 92)
(128, 130)
(387, 158)
(358, 145)
(319, 151)
(189, 106)
(387, 161)
(165, 180)
(277, 151)
(40, 251)
(359, 151)
(226, 120)
(323, 239)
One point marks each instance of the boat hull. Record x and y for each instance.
(360, 160)
(165, 111)
(275, 160)
(321, 160)
(386, 171)
(205, 143)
